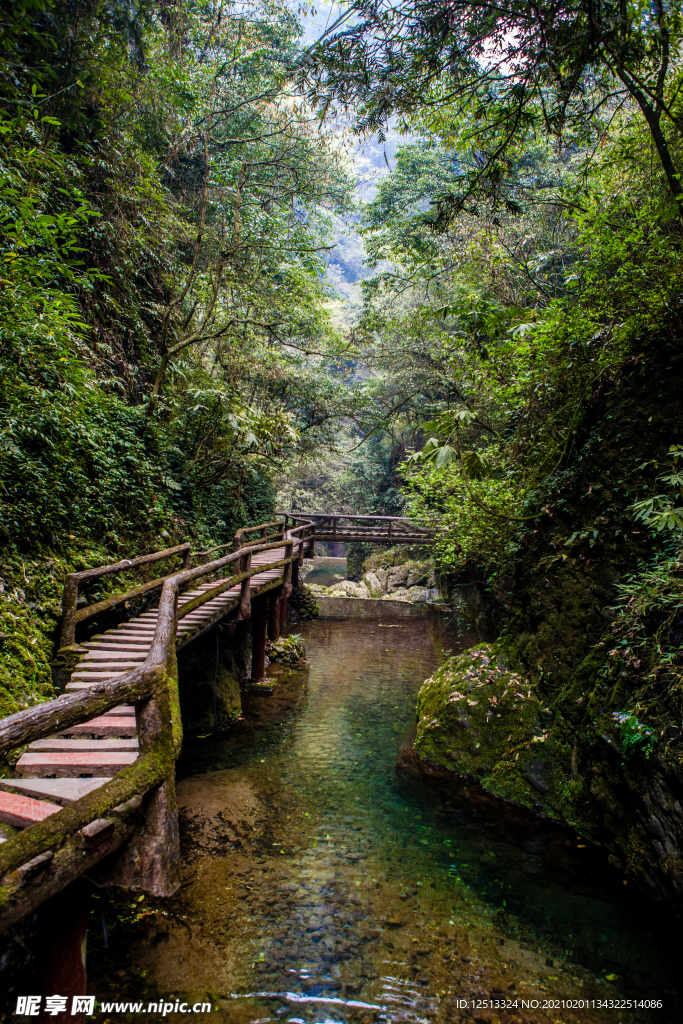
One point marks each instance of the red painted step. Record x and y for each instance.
(22, 811)
(79, 745)
(105, 725)
(71, 765)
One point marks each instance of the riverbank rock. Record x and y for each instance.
(481, 720)
(411, 581)
(286, 650)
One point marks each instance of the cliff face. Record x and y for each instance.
(575, 710)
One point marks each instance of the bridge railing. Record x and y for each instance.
(371, 528)
(266, 531)
(41, 860)
(72, 614)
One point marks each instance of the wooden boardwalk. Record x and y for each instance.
(95, 781)
(51, 770)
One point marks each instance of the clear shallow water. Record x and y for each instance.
(322, 886)
(326, 571)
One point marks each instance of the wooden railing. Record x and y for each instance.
(266, 531)
(72, 614)
(53, 852)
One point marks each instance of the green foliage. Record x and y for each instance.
(161, 228)
(634, 735)
(494, 79)
(661, 511)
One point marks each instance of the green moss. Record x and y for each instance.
(390, 557)
(30, 605)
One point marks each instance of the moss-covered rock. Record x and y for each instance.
(480, 719)
(286, 650)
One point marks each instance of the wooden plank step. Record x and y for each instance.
(137, 635)
(70, 765)
(94, 657)
(122, 709)
(137, 624)
(96, 677)
(54, 743)
(113, 650)
(80, 685)
(103, 726)
(22, 811)
(115, 665)
(64, 791)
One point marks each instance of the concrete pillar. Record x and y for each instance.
(259, 622)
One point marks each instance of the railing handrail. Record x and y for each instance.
(313, 516)
(280, 530)
(260, 526)
(129, 563)
(72, 614)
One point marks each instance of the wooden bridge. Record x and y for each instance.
(97, 774)
(366, 529)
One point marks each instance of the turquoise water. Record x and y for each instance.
(334, 889)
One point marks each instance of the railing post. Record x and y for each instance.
(274, 614)
(69, 601)
(60, 954)
(264, 533)
(245, 587)
(389, 528)
(151, 861)
(187, 559)
(259, 622)
(287, 582)
(237, 542)
(287, 574)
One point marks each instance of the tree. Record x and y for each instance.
(505, 71)
(248, 173)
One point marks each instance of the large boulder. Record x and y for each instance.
(347, 588)
(479, 719)
(376, 582)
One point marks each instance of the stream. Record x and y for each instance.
(320, 885)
